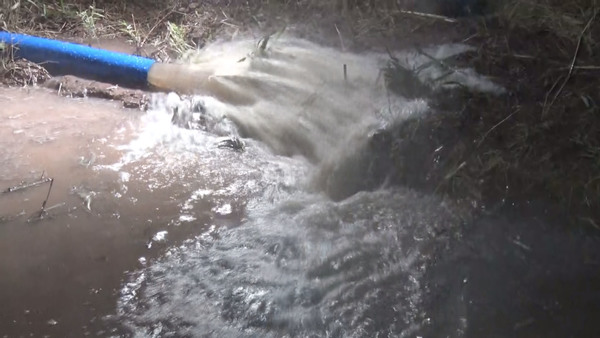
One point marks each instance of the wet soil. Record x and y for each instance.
(72, 86)
(19, 73)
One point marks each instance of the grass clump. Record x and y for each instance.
(177, 38)
(141, 22)
(89, 19)
(539, 141)
(551, 143)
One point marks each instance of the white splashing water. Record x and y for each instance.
(301, 264)
(302, 98)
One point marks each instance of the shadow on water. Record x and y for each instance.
(516, 274)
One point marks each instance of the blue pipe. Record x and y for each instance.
(65, 58)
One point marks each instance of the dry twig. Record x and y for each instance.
(572, 66)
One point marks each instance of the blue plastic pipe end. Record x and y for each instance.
(65, 58)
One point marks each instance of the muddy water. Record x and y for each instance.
(121, 194)
(218, 224)
(64, 268)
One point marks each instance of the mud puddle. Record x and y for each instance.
(61, 272)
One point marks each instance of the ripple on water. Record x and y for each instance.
(305, 266)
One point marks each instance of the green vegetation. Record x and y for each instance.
(89, 18)
(177, 38)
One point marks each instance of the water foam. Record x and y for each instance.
(299, 264)
(306, 267)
